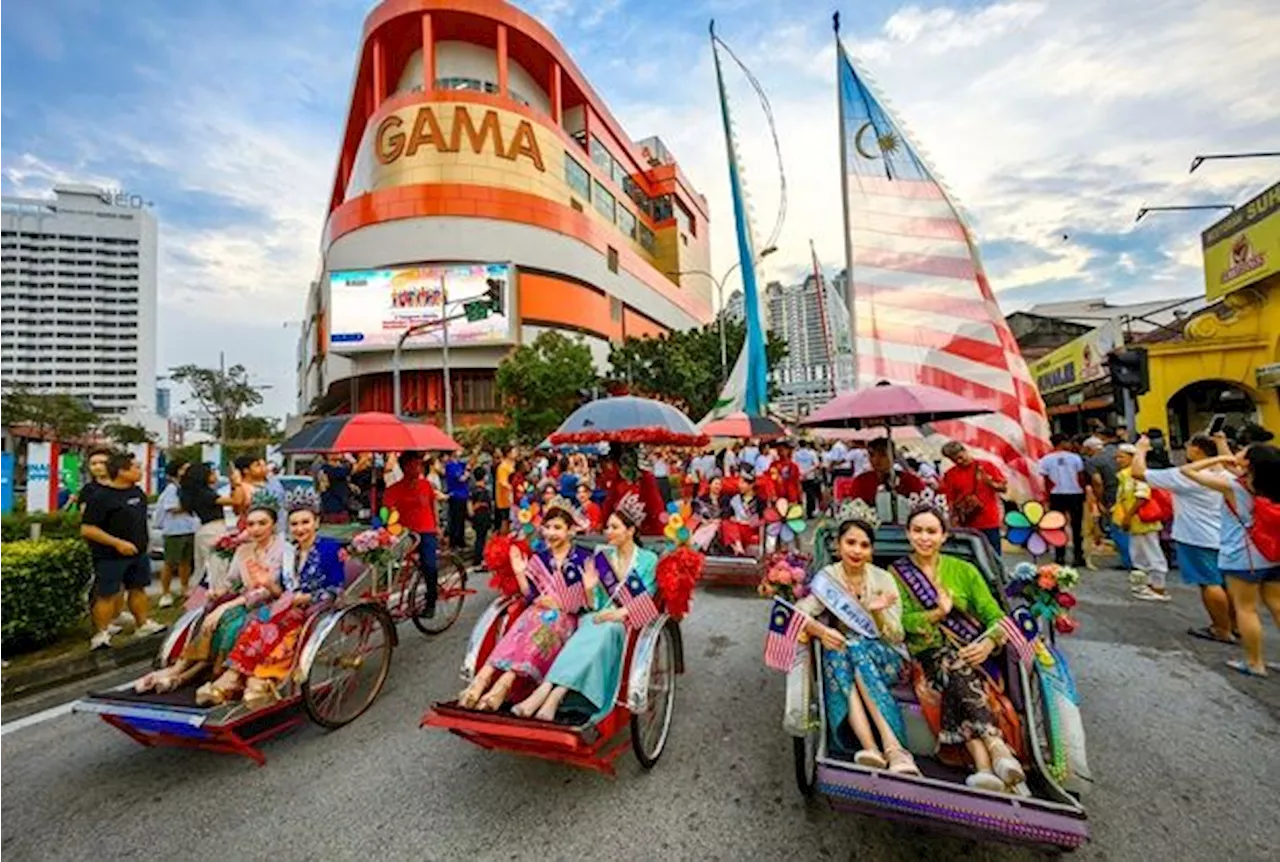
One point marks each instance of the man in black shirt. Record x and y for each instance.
(115, 526)
(97, 477)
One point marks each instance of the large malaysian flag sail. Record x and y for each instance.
(921, 308)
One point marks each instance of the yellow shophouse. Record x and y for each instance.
(1227, 359)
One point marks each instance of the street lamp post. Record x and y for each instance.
(1199, 160)
(719, 284)
(395, 363)
(1190, 208)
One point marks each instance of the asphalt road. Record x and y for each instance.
(1186, 754)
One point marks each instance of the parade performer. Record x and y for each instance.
(589, 667)
(634, 476)
(312, 573)
(953, 624)
(532, 643)
(855, 611)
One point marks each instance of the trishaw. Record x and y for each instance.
(1051, 743)
(652, 658)
(345, 646)
(642, 712)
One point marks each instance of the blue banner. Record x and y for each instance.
(6, 482)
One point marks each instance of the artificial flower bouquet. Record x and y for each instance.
(1045, 591)
(786, 576)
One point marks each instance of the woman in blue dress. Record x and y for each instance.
(586, 673)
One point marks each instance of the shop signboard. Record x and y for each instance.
(1244, 247)
(1079, 361)
(6, 482)
(1268, 376)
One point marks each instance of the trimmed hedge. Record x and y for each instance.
(42, 590)
(53, 525)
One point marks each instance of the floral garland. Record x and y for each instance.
(225, 547)
(678, 572)
(497, 559)
(653, 436)
(373, 547)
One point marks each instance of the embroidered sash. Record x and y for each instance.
(604, 571)
(844, 606)
(960, 624)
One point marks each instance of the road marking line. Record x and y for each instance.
(46, 714)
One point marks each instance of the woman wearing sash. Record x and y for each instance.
(538, 634)
(952, 625)
(587, 670)
(854, 610)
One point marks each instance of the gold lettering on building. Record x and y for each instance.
(392, 143)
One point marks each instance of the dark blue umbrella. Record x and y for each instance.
(628, 419)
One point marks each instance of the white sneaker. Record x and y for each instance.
(126, 619)
(166, 601)
(113, 629)
(150, 627)
(101, 640)
(1147, 594)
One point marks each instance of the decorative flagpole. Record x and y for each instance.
(850, 295)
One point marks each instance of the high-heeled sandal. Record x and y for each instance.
(901, 762)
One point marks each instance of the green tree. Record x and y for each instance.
(64, 415)
(684, 366)
(125, 434)
(224, 394)
(541, 383)
(257, 428)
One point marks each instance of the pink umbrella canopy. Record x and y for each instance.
(888, 404)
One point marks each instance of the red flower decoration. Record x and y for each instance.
(1066, 600)
(1065, 625)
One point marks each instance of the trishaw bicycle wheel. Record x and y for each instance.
(805, 748)
(649, 731)
(350, 667)
(451, 595)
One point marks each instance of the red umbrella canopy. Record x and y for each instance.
(744, 426)
(892, 404)
(369, 432)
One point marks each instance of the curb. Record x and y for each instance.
(54, 673)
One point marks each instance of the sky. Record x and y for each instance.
(1052, 122)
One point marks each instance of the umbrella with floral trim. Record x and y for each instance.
(784, 520)
(1036, 528)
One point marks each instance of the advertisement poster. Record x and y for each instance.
(69, 472)
(369, 309)
(40, 478)
(6, 482)
(1077, 362)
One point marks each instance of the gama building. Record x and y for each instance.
(477, 156)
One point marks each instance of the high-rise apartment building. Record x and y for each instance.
(815, 325)
(79, 297)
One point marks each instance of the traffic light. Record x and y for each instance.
(495, 294)
(1129, 370)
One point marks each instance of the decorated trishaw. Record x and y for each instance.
(342, 652)
(1019, 685)
(1043, 729)
(638, 712)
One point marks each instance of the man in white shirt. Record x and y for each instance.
(859, 457)
(764, 461)
(810, 477)
(837, 459)
(749, 454)
(1197, 518)
(1063, 472)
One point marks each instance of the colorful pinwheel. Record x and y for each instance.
(388, 518)
(1035, 528)
(679, 522)
(784, 520)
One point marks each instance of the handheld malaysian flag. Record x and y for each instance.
(575, 591)
(1017, 641)
(638, 603)
(546, 583)
(785, 625)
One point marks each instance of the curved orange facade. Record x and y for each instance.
(473, 139)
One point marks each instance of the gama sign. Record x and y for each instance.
(448, 131)
(1244, 247)
(1079, 361)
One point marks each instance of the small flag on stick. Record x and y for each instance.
(1017, 641)
(638, 603)
(545, 582)
(785, 625)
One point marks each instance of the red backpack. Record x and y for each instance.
(1157, 508)
(1264, 532)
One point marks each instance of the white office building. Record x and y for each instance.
(815, 326)
(79, 297)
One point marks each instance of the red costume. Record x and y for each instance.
(865, 485)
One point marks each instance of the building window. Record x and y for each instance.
(620, 175)
(646, 238)
(472, 84)
(476, 394)
(685, 220)
(662, 208)
(626, 221)
(613, 259)
(577, 178)
(604, 202)
(600, 155)
(615, 309)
